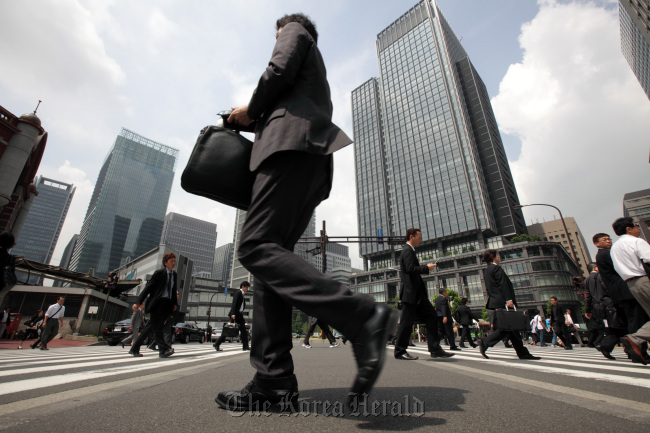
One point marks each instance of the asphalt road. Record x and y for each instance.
(102, 389)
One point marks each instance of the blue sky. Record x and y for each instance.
(572, 115)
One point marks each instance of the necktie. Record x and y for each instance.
(168, 292)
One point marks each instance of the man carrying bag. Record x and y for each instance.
(503, 322)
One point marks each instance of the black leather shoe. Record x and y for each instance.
(245, 349)
(568, 347)
(508, 345)
(260, 394)
(482, 348)
(405, 356)
(463, 346)
(441, 354)
(455, 348)
(136, 354)
(166, 354)
(605, 353)
(122, 345)
(216, 347)
(530, 357)
(369, 347)
(44, 348)
(474, 346)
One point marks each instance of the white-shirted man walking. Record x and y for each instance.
(629, 255)
(53, 319)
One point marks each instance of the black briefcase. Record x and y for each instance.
(230, 330)
(512, 320)
(219, 167)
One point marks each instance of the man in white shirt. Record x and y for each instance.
(629, 254)
(53, 319)
(539, 327)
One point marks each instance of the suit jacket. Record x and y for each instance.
(292, 103)
(499, 287)
(596, 291)
(442, 308)
(557, 314)
(465, 315)
(412, 288)
(614, 284)
(155, 288)
(237, 302)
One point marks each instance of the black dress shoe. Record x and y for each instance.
(122, 345)
(530, 357)
(166, 354)
(633, 351)
(441, 354)
(508, 345)
(455, 348)
(245, 349)
(216, 347)
(482, 348)
(261, 393)
(605, 353)
(568, 347)
(463, 346)
(405, 356)
(136, 354)
(369, 347)
(474, 346)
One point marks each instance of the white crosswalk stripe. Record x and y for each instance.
(584, 362)
(34, 369)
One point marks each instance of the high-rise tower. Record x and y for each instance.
(428, 153)
(193, 238)
(127, 209)
(634, 16)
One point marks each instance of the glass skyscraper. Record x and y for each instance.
(42, 227)
(634, 16)
(428, 153)
(127, 209)
(193, 238)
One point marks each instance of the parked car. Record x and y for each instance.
(118, 331)
(186, 332)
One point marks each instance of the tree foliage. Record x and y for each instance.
(452, 297)
(525, 238)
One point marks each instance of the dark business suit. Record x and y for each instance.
(596, 299)
(414, 296)
(159, 307)
(500, 291)
(558, 322)
(292, 161)
(446, 329)
(620, 292)
(466, 319)
(238, 305)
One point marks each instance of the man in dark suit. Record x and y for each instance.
(414, 296)
(445, 320)
(501, 294)
(596, 301)
(465, 319)
(559, 323)
(237, 315)
(615, 286)
(293, 165)
(163, 301)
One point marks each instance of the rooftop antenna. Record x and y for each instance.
(37, 105)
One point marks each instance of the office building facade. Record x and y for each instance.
(66, 257)
(222, 264)
(634, 16)
(43, 224)
(193, 238)
(637, 206)
(127, 209)
(553, 231)
(428, 153)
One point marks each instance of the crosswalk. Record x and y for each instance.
(73, 371)
(27, 370)
(582, 362)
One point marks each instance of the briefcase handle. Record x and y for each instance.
(514, 307)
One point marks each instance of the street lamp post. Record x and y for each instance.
(573, 251)
(210, 307)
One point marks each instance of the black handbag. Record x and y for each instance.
(511, 320)
(230, 330)
(615, 317)
(219, 167)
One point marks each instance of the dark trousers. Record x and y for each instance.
(288, 186)
(497, 335)
(239, 320)
(635, 314)
(466, 335)
(562, 332)
(159, 319)
(324, 327)
(410, 312)
(446, 330)
(50, 330)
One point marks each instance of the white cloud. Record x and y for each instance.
(580, 114)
